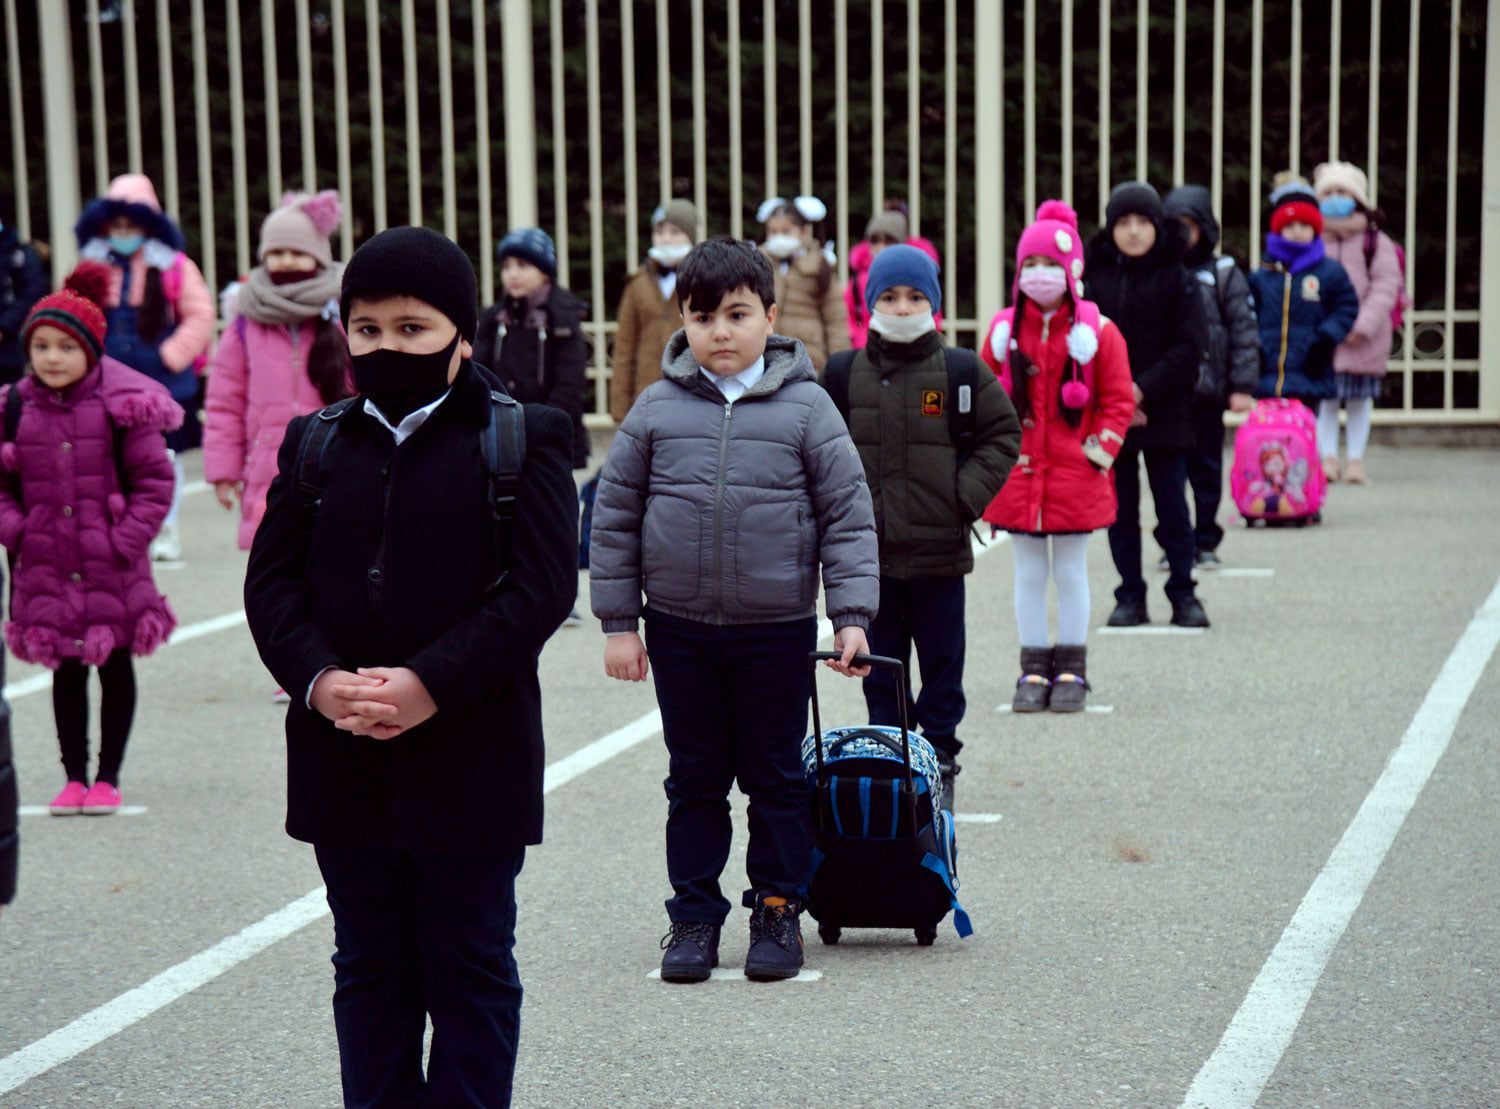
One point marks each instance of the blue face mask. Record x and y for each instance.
(126, 245)
(1337, 207)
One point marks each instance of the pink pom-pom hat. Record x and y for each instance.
(1054, 235)
(304, 222)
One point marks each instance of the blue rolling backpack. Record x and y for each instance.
(885, 854)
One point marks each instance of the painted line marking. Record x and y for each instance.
(1262, 1028)
(39, 682)
(729, 974)
(1150, 629)
(43, 810)
(135, 1005)
(1096, 710)
(977, 817)
(191, 487)
(1243, 572)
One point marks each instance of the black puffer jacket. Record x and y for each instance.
(23, 281)
(1231, 363)
(541, 366)
(1154, 302)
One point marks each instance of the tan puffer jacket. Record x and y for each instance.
(647, 321)
(811, 306)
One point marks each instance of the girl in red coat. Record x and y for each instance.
(1066, 369)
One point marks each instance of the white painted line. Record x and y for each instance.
(1151, 629)
(1256, 1039)
(729, 974)
(977, 817)
(1243, 572)
(135, 1005)
(1096, 710)
(189, 488)
(42, 810)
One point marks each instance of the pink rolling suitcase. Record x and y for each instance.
(1277, 475)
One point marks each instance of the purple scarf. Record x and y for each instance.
(1296, 257)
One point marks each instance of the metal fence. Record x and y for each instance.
(478, 116)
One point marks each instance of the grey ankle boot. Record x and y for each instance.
(1035, 683)
(1070, 685)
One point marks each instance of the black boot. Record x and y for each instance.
(1129, 614)
(1070, 684)
(1034, 686)
(775, 939)
(692, 951)
(1188, 613)
(948, 767)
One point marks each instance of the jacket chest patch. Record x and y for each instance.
(1311, 290)
(932, 402)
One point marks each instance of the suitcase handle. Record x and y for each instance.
(899, 667)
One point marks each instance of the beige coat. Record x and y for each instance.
(811, 305)
(647, 320)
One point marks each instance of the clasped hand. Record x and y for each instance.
(379, 702)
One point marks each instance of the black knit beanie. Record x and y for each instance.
(1133, 197)
(416, 262)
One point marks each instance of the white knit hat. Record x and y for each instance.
(1343, 175)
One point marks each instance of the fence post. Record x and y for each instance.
(520, 116)
(989, 114)
(1489, 228)
(62, 136)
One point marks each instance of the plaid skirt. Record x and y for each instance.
(1357, 386)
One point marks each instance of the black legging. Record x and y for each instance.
(70, 705)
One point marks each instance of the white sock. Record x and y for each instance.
(180, 478)
(1070, 570)
(1031, 589)
(1359, 425)
(1328, 427)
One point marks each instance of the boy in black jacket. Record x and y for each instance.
(1135, 274)
(382, 597)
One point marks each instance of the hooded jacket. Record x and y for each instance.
(1156, 305)
(1231, 361)
(1370, 262)
(723, 512)
(23, 282)
(808, 305)
(646, 321)
(1303, 316)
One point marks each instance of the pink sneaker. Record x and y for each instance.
(70, 801)
(103, 799)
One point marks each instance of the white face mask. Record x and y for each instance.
(784, 246)
(669, 257)
(902, 329)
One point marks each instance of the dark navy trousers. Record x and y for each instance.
(928, 614)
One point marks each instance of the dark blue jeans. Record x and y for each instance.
(733, 708)
(418, 935)
(1166, 470)
(929, 614)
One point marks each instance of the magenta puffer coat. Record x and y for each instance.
(83, 585)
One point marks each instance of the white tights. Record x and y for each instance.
(1069, 569)
(1358, 430)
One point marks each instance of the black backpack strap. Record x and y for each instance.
(963, 368)
(12, 411)
(503, 446)
(310, 451)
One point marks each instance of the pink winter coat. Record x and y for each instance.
(83, 584)
(854, 292)
(1367, 350)
(258, 385)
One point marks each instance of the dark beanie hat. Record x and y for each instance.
(416, 262)
(530, 244)
(903, 265)
(1135, 197)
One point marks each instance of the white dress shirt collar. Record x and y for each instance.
(737, 385)
(409, 424)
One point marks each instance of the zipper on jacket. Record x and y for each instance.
(719, 512)
(1286, 317)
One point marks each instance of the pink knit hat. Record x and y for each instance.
(1054, 235)
(303, 222)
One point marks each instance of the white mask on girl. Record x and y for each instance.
(671, 256)
(1046, 285)
(902, 329)
(784, 246)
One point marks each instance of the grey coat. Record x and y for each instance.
(722, 512)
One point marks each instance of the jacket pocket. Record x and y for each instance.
(774, 567)
(672, 549)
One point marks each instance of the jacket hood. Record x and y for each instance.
(786, 362)
(133, 195)
(1195, 202)
(1171, 244)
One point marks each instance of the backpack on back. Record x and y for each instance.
(1403, 298)
(1277, 474)
(962, 366)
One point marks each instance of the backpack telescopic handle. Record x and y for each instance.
(895, 664)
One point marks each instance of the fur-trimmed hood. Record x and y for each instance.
(132, 195)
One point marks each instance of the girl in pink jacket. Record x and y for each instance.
(85, 483)
(281, 356)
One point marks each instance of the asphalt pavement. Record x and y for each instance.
(1130, 872)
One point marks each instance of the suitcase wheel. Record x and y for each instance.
(830, 934)
(926, 937)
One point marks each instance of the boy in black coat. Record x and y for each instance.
(1135, 274)
(373, 597)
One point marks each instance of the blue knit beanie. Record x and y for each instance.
(530, 244)
(903, 265)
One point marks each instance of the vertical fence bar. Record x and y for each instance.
(1257, 80)
(841, 132)
(206, 239)
(1028, 105)
(1413, 59)
(96, 94)
(377, 111)
(596, 202)
(989, 165)
(1373, 111)
(804, 84)
(664, 103)
(60, 127)
(736, 129)
(18, 122)
(560, 147)
(1294, 108)
(1217, 153)
(913, 117)
(1066, 123)
(700, 115)
(1179, 88)
(445, 122)
(1335, 60)
(237, 137)
(768, 33)
(520, 116)
(413, 113)
(166, 85)
(950, 166)
(877, 104)
(1104, 102)
(1142, 90)
(627, 89)
(480, 35)
(304, 96)
(134, 158)
(271, 84)
(1489, 229)
(341, 126)
(1450, 241)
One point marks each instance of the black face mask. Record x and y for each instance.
(290, 277)
(400, 383)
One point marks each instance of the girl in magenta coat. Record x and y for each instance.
(87, 484)
(282, 355)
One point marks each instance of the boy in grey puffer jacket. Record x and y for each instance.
(728, 483)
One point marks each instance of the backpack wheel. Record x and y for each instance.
(830, 934)
(926, 937)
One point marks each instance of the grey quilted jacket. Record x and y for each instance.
(722, 512)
